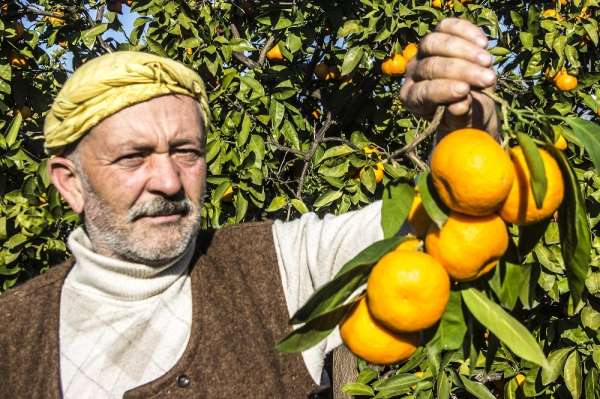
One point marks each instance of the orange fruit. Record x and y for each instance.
(315, 113)
(333, 73)
(468, 246)
(370, 149)
(407, 291)
(274, 54)
(227, 194)
(561, 143)
(394, 66)
(371, 341)
(519, 207)
(321, 70)
(550, 13)
(418, 219)
(471, 172)
(520, 379)
(410, 244)
(565, 81)
(55, 21)
(379, 172)
(436, 3)
(410, 50)
(189, 51)
(17, 60)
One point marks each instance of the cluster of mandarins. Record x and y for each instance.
(484, 188)
(396, 64)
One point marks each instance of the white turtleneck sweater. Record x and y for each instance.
(124, 324)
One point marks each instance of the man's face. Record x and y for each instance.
(143, 180)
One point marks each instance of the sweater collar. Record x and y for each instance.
(118, 279)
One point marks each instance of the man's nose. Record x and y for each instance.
(165, 177)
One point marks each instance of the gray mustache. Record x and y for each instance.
(159, 207)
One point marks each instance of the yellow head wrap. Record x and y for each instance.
(105, 85)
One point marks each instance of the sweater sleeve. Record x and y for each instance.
(311, 250)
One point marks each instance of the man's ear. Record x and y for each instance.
(65, 178)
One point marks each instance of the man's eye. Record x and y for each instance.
(131, 158)
(188, 153)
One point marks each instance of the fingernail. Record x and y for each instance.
(484, 59)
(482, 41)
(488, 77)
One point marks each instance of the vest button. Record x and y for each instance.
(183, 381)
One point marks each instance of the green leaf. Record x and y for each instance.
(244, 132)
(276, 204)
(5, 72)
(351, 276)
(299, 206)
(508, 330)
(88, 36)
(434, 207)
(13, 130)
(530, 235)
(367, 178)
(452, 327)
(327, 198)
(443, 387)
(357, 388)
(476, 389)
(592, 384)
(336, 151)
(367, 375)
(588, 134)
(397, 200)
(556, 363)
(539, 183)
(572, 374)
(314, 331)
(396, 382)
(574, 229)
(590, 318)
(276, 112)
(352, 59)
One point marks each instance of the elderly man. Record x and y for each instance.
(152, 307)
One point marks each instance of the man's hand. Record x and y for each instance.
(452, 68)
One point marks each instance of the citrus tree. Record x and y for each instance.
(307, 117)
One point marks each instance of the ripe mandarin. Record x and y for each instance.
(468, 246)
(471, 172)
(407, 291)
(371, 341)
(519, 207)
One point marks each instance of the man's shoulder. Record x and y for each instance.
(235, 234)
(31, 290)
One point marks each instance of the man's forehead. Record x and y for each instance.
(177, 119)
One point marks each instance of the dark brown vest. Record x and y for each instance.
(239, 313)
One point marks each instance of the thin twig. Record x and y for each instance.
(263, 53)
(417, 161)
(431, 129)
(308, 156)
(284, 148)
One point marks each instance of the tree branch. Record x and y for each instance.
(431, 129)
(263, 53)
(238, 55)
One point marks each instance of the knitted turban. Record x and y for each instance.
(105, 85)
